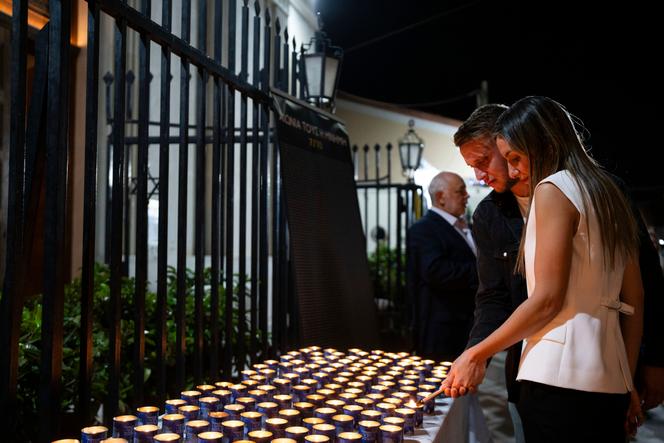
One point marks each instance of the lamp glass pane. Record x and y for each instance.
(313, 64)
(331, 66)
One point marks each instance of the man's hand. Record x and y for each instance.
(652, 386)
(466, 374)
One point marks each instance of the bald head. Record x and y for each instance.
(448, 192)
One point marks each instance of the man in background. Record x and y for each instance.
(442, 274)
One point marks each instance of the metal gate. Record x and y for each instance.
(231, 186)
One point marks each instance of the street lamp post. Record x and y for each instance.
(321, 66)
(410, 152)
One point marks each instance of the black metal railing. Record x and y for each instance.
(237, 218)
(387, 209)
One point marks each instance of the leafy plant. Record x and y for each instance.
(30, 341)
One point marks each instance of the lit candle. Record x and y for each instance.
(276, 425)
(251, 420)
(409, 418)
(123, 426)
(283, 400)
(191, 397)
(145, 433)
(316, 399)
(292, 415)
(282, 385)
(306, 409)
(428, 407)
(343, 423)
(347, 397)
(335, 404)
(283, 440)
(147, 415)
(216, 418)
(371, 414)
(395, 421)
(353, 411)
(210, 437)
(237, 391)
(311, 382)
(171, 406)
(366, 403)
(268, 408)
(233, 430)
(249, 403)
(234, 411)
(349, 437)
(268, 373)
(376, 397)
(224, 384)
(173, 423)
(391, 434)
(297, 433)
(207, 405)
(258, 394)
(325, 429)
(205, 389)
(419, 412)
(250, 384)
(310, 422)
(269, 390)
(73, 440)
(224, 396)
(165, 437)
(369, 430)
(260, 436)
(195, 427)
(190, 412)
(325, 413)
(93, 434)
(247, 373)
(300, 392)
(317, 438)
(261, 379)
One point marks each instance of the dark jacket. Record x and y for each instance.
(442, 281)
(497, 227)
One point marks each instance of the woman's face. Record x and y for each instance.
(518, 166)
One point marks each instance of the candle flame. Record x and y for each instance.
(411, 404)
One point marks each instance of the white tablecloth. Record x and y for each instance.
(456, 421)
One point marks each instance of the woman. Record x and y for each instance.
(579, 255)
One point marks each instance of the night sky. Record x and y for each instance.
(601, 63)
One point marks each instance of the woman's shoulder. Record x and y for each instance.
(565, 183)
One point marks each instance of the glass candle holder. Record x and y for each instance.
(268, 408)
(270, 391)
(354, 411)
(325, 429)
(166, 437)
(250, 384)
(276, 425)
(145, 433)
(191, 397)
(343, 423)
(300, 392)
(147, 415)
(282, 384)
(310, 422)
(306, 409)
(366, 403)
(258, 394)
(252, 420)
(249, 403)
(224, 397)
(237, 391)
(205, 389)
(335, 404)
(190, 412)
(195, 427)
(234, 411)
(325, 413)
(260, 436)
(349, 437)
(393, 400)
(419, 411)
(247, 373)
(347, 397)
(409, 419)
(292, 415)
(387, 409)
(371, 414)
(171, 406)
(369, 430)
(317, 438)
(208, 404)
(395, 421)
(327, 393)
(210, 437)
(428, 407)
(216, 418)
(173, 423)
(224, 385)
(316, 399)
(233, 430)
(283, 440)
(93, 434)
(297, 433)
(268, 373)
(123, 426)
(285, 401)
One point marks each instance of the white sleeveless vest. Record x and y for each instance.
(582, 347)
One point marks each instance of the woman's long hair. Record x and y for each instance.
(543, 130)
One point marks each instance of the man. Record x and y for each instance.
(442, 274)
(497, 226)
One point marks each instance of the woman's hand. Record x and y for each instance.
(634, 417)
(466, 374)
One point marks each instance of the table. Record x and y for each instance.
(457, 420)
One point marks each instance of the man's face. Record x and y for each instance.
(454, 198)
(483, 156)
